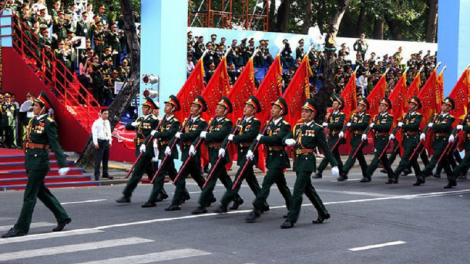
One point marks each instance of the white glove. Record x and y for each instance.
(63, 171)
(391, 137)
(142, 148)
(325, 124)
(135, 124)
(400, 124)
(341, 134)
(178, 135)
(250, 155)
(259, 137)
(451, 138)
(167, 151)
(459, 127)
(371, 125)
(203, 134)
(422, 136)
(155, 159)
(8, 114)
(289, 142)
(430, 125)
(153, 132)
(221, 152)
(335, 171)
(192, 150)
(348, 124)
(230, 137)
(364, 137)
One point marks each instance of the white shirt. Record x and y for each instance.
(248, 118)
(277, 121)
(101, 129)
(193, 119)
(170, 117)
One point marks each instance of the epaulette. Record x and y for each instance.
(341, 113)
(418, 113)
(176, 119)
(285, 122)
(317, 124)
(451, 116)
(50, 119)
(254, 118)
(154, 117)
(226, 119)
(202, 119)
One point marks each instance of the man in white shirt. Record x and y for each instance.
(101, 132)
(361, 81)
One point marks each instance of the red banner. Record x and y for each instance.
(270, 89)
(193, 86)
(376, 95)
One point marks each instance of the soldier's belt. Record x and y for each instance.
(186, 143)
(36, 146)
(164, 142)
(335, 131)
(303, 151)
(381, 134)
(276, 148)
(358, 132)
(244, 145)
(411, 133)
(139, 140)
(442, 134)
(215, 145)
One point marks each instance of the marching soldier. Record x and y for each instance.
(334, 124)
(381, 126)
(143, 127)
(9, 113)
(442, 128)
(462, 168)
(247, 133)
(41, 136)
(410, 131)
(305, 138)
(358, 124)
(277, 159)
(167, 131)
(196, 124)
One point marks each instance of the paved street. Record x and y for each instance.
(371, 223)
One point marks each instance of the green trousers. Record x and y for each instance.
(144, 165)
(325, 161)
(192, 168)
(273, 176)
(303, 184)
(405, 161)
(35, 188)
(219, 173)
(350, 162)
(445, 162)
(167, 168)
(380, 144)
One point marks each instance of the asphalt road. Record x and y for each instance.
(371, 223)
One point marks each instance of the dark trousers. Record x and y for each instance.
(325, 161)
(273, 176)
(405, 162)
(303, 184)
(192, 168)
(462, 168)
(8, 136)
(350, 162)
(102, 156)
(250, 179)
(375, 161)
(445, 162)
(166, 168)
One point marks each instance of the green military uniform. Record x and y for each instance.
(410, 135)
(335, 123)
(442, 128)
(99, 38)
(169, 127)
(307, 136)
(41, 136)
(277, 160)
(146, 125)
(98, 81)
(382, 125)
(359, 123)
(9, 113)
(361, 46)
(83, 29)
(463, 166)
(248, 130)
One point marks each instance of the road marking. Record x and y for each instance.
(5, 218)
(72, 248)
(153, 257)
(33, 225)
(357, 193)
(394, 243)
(49, 235)
(86, 201)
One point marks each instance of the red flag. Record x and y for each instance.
(270, 89)
(399, 102)
(429, 99)
(440, 88)
(243, 88)
(413, 90)
(298, 91)
(376, 95)
(460, 96)
(350, 97)
(217, 87)
(193, 86)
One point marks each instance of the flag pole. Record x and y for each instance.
(468, 66)
(226, 53)
(443, 69)
(406, 70)
(420, 69)
(204, 54)
(437, 66)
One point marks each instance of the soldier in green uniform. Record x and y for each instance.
(9, 113)
(277, 159)
(113, 42)
(96, 74)
(462, 168)
(442, 128)
(248, 131)
(334, 123)
(99, 37)
(361, 46)
(102, 15)
(218, 131)
(192, 131)
(40, 137)
(169, 127)
(124, 69)
(60, 26)
(305, 138)
(143, 126)
(410, 131)
(83, 27)
(358, 124)
(299, 51)
(381, 125)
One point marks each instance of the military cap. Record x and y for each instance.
(1, 96)
(365, 103)
(340, 101)
(107, 48)
(282, 104)
(115, 72)
(386, 102)
(449, 101)
(285, 41)
(225, 102)
(190, 32)
(61, 42)
(70, 33)
(101, 7)
(125, 60)
(7, 94)
(201, 102)
(90, 49)
(343, 45)
(57, 1)
(95, 16)
(150, 103)
(252, 39)
(99, 24)
(301, 41)
(415, 100)
(310, 105)
(243, 40)
(200, 44)
(253, 101)
(174, 101)
(212, 64)
(221, 46)
(60, 13)
(214, 35)
(95, 57)
(43, 100)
